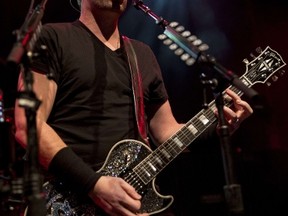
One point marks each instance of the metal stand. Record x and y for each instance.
(32, 177)
(22, 54)
(232, 190)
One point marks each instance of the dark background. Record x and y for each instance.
(233, 30)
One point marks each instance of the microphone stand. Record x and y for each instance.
(232, 190)
(22, 53)
(195, 53)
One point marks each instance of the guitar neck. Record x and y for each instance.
(170, 149)
(257, 71)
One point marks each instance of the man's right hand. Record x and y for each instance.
(116, 197)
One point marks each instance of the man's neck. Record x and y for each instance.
(105, 28)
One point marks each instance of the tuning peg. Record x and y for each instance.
(268, 84)
(252, 55)
(246, 61)
(258, 50)
(275, 78)
(282, 72)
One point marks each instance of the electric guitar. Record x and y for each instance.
(138, 165)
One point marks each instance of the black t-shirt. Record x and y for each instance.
(94, 106)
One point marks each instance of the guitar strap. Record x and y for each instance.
(137, 88)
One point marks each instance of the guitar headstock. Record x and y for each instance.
(187, 35)
(263, 67)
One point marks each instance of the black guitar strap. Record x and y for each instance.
(136, 87)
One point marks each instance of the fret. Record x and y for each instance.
(156, 163)
(159, 161)
(175, 145)
(152, 166)
(183, 139)
(204, 119)
(149, 171)
(148, 175)
(189, 135)
(159, 158)
(145, 174)
(198, 123)
(178, 142)
(164, 153)
(211, 109)
(192, 129)
(171, 148)
(209, 112)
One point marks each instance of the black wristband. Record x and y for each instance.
(68, 167)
